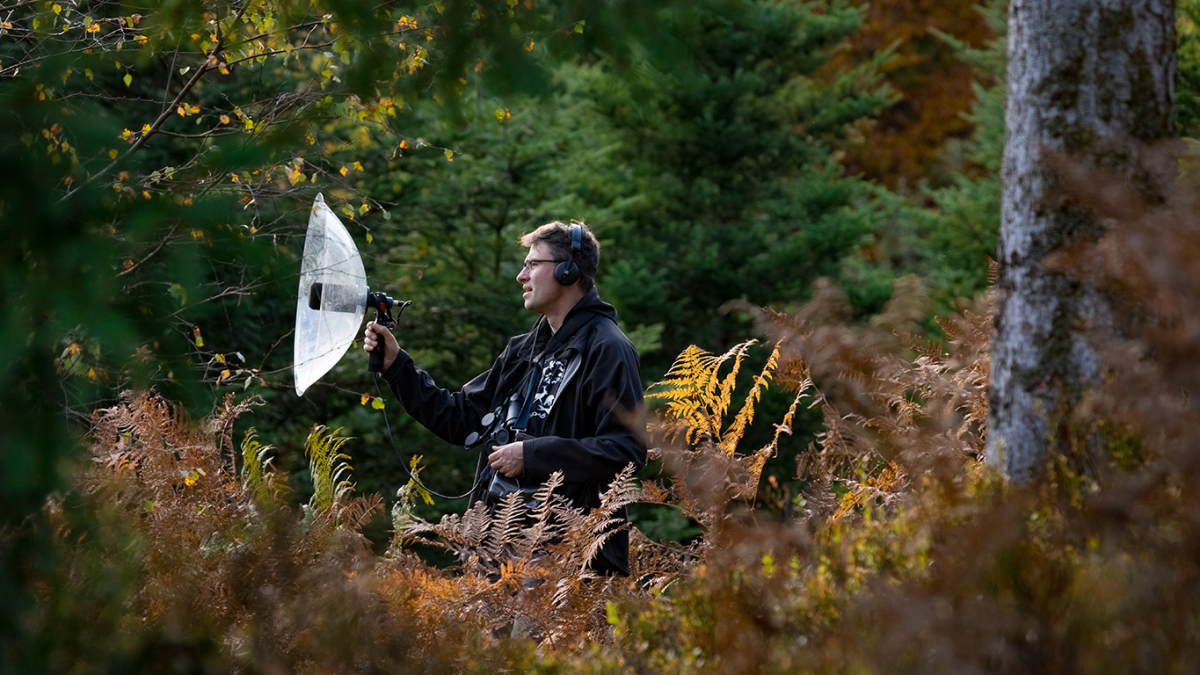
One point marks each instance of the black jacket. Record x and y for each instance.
(585, 411)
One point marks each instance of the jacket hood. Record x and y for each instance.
(591, 302)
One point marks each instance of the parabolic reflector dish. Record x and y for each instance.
(332, 297)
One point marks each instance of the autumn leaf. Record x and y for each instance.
(377, 403)
(128, 79)
(364, 399)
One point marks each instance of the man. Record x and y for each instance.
(575, 376)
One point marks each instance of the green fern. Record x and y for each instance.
(257, 477)
(328, 467)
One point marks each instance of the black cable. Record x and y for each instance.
(388, 425)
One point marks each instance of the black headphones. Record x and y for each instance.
(567, 272)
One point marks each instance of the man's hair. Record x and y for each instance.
(557, 237)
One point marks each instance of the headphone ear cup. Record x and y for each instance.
(566, 272)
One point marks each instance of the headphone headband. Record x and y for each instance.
(567, 272)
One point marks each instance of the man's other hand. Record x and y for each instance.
(508, 459)
(375, 334)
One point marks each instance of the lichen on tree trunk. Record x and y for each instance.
(1091, 80)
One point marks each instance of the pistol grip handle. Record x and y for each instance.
(375, 359)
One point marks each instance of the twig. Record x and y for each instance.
(158, 248)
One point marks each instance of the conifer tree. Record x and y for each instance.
(729, 185)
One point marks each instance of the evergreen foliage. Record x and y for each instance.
(730, 188)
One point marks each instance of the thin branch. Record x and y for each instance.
(161, 244)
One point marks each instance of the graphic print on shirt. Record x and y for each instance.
(557, 371)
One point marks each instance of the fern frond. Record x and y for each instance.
(696, 394)
(720, 403)
(327, 466)
(745, 416)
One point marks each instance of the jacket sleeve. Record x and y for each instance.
(612, 435)
(452, 416)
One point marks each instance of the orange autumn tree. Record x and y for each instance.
(934, 86)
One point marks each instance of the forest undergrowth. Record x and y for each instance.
(907, 552)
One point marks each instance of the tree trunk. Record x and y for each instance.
(1092, 81)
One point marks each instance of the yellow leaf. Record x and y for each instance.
(529, 46)
(449, 155)
(224, 119)
(219, 358)
(233, 177)
(364, 399)
(181, 111)
(145, 128)
(197, 234)
(194, 109)
(146, 194)
(94, 28)
(404, 144)
(91, 373)
(377, 404)
(343, 171)
(358, 165)
(224, 375)
(112, 154)
(142, 39)
(57, 8)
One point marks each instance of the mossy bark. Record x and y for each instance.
(1092, 80)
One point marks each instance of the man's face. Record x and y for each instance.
(541, 291)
